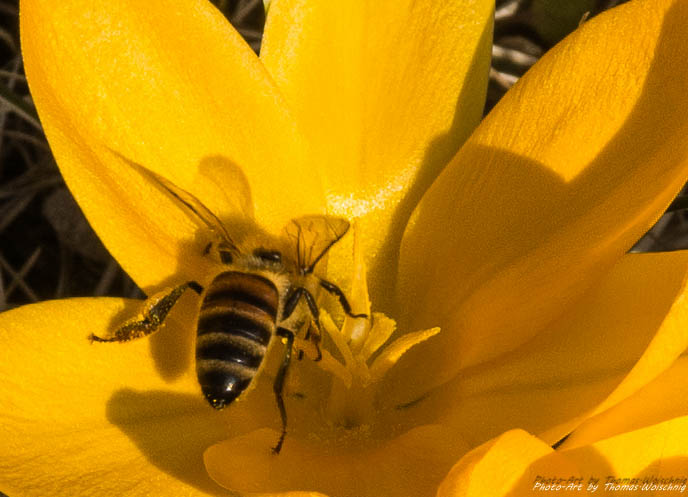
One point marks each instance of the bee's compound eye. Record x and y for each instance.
(226, 257)
(268, 255)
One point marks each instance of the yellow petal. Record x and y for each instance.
(173, 89)
(337, 337)
(626, 331)
(383, 327)
(518, 464)
(387, 91)
(557, 183)
(81, 418)
(412, 464)
(504, 465)
(659, 401)
(392, 352)
(659, 451)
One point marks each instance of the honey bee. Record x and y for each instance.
(264, 294)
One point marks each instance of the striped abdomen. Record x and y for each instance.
(235, 325)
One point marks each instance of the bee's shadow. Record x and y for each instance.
(172, 431)
(172, 345)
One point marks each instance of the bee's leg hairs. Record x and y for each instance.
(151, 318)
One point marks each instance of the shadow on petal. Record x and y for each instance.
(171, 347)
(171, 430)
(438, 153)
(222, 188)
(412, 464)
(549, 384)
(594, 466)
(670, 468)
(515, 232)
(550, 467)
(527, 466)
(222, 178)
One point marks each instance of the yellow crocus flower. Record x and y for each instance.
(510, 237)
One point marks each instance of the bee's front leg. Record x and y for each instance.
(337, 292)
(151, 318)
(313, 333)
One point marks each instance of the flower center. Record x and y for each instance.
(364, 355)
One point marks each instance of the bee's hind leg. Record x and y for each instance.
(152, 317)
(278, 386)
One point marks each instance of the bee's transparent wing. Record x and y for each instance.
(312, 237)
(205, 215)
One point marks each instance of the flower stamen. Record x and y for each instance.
(365, 359)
